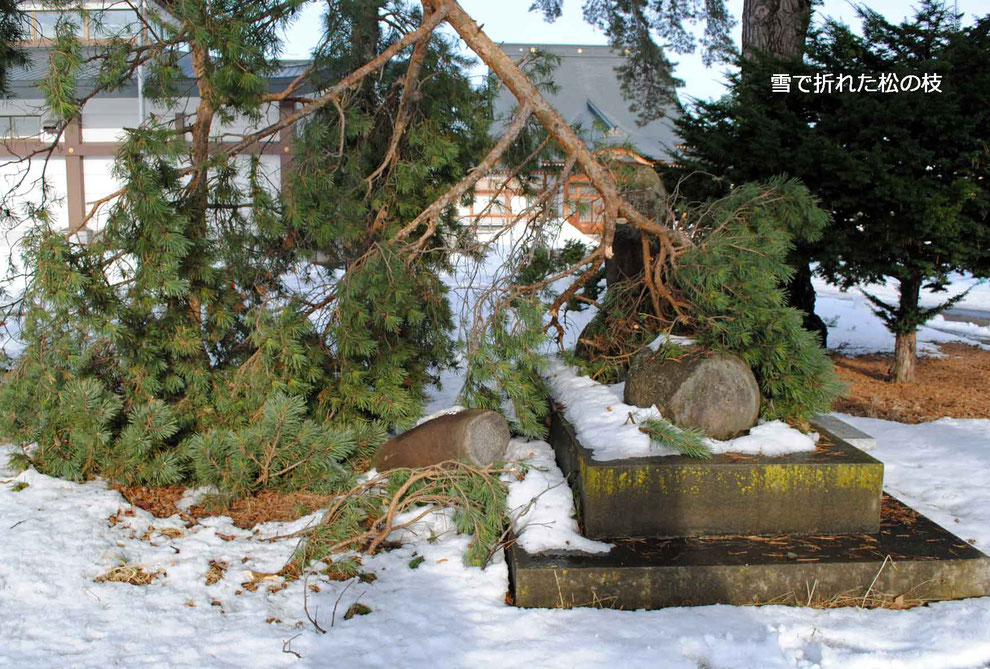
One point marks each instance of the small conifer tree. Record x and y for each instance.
(217, 330)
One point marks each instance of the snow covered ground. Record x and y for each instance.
(854, 329)
(56, 537)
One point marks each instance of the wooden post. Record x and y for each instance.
(75, 185)
(286, 138)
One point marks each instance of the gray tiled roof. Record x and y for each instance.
(588, 94)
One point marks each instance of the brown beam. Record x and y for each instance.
(286, 137)
(22, 148)
(75, 185)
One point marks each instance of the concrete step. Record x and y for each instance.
(909, 561)
(833, 490)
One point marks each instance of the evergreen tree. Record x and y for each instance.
(184, 343)
(734, 282)
(901, 172)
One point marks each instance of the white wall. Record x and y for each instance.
(21, 184)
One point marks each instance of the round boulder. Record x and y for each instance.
(475, 436)
(713, 391)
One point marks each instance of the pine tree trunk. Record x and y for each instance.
(905, 354)
(775, 26)
(801, 295)
(906, 344)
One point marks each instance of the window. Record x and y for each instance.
(97, 24)
(45, 22)
(113, 23)
(19, 126)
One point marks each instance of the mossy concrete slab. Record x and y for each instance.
(910, 560)
(833, 490)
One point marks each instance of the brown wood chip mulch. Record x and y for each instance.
(956, 385)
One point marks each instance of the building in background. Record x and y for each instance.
(78, 166)
(77, 169)
(588, 96)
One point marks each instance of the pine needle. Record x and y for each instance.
(689, 442)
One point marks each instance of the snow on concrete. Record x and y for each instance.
(55, 537)
(941, 468)
(610, 428)
(541, 505)
(604, 424)
(769, 438)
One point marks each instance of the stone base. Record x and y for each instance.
(911, 557)
(833, 490)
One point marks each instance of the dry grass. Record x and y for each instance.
(949, 386)
(159, 502)
(129, 573)
(266, 506)
(872, 600)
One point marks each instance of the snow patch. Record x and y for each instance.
(442, 412)
(771, 438)
(603, 422)
(664, 339)
(610, 428)
(541, 505)
(853, 329)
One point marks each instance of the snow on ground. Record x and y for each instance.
(610, 428)
(963, 328)
(855, 330)
(55, 537)
(977, 299)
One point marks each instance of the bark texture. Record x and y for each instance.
(906, 341)
(775, 26)
(780, 27)
(905, 355)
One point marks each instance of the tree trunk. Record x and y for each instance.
(905, 354)
(801, 295)
(906, 344)
(780, 27)
(775, 26)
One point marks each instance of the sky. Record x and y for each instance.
(510, 21)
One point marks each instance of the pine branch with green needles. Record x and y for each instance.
(689, 442)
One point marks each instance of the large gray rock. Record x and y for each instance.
(713, 391)
(475, 436)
